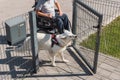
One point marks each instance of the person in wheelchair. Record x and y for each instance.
(46, 8)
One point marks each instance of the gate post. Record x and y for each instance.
(34, 42)
(97, 43)
(74, 19)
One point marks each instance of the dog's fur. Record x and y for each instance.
(44, 42)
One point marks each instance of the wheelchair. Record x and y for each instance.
(47, 25)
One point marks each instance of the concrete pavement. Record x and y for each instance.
(108, 67)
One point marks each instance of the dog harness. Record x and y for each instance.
(54, 41)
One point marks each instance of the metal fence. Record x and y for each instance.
(109, 8)
(14, 64)
(110, 37)
(85, 22)
(110, 31)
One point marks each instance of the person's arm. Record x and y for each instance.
(39, 13)
(38, 8)
(58, 7)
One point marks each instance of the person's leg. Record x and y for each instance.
(60, 25)
(65, 21)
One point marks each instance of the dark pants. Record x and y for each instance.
(62, 23)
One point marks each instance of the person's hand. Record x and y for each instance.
(60, 13)
(50, 15)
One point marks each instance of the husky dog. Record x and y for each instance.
(54, 44)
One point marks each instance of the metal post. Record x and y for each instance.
(74, 20)
(97, 43)
(34, 42)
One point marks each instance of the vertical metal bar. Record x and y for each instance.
(34, 42)
(74, 20)
(97, 44)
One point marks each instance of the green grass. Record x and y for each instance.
(109, 41)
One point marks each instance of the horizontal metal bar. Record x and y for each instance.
(89, 8)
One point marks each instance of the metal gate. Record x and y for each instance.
(87, 23)
(18, 63)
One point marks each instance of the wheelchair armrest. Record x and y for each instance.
(56, 10)
(43, 17)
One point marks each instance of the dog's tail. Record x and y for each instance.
(25, 46)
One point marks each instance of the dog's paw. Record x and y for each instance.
(53, 64)
(66, 61)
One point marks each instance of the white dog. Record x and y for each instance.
(54, 44)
